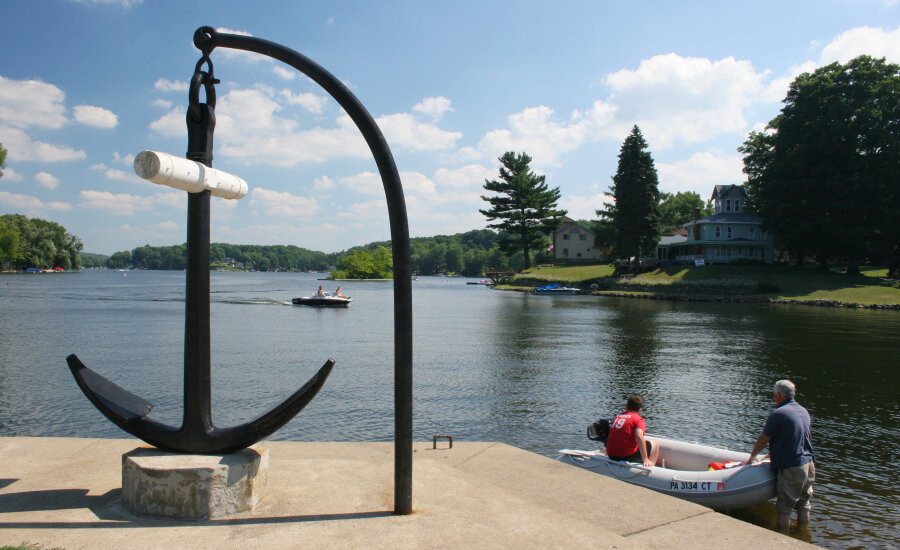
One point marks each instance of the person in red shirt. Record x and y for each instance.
(626, 439)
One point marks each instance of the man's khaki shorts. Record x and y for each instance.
(795, 487)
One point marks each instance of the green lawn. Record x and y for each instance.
(766, 281)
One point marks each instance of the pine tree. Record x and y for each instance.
(635, 211)
(524, 205)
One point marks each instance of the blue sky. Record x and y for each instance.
(85, 85)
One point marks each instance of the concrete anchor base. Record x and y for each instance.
(194, 487)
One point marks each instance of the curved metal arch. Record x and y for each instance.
(206, 39)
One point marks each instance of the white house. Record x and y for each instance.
(574, 243)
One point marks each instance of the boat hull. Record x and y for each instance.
(686, 475)
(322, 301)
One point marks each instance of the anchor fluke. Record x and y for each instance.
(196, 435)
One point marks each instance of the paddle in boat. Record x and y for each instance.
(706, 475)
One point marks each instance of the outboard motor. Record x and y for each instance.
(599, 430)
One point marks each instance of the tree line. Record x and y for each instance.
(467, 253)
(33, 242)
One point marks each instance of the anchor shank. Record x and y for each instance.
(197, 393)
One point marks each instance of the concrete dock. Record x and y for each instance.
(65, 492)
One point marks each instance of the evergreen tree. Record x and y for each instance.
(524, 205)
(2, 159)
(635, 212)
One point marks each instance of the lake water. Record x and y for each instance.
(530, 371)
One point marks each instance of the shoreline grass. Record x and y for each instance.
(779, 283)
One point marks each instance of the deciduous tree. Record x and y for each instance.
(824, 176)
(678, 209)
(524, 206)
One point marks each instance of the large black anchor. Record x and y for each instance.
(197, 433)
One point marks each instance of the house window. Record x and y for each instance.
(718, 231)
(728, 251)
(737, 205)
(565, 252)
(730, 234)
(718, 252)
(565, 236)
(578, 254)
(752, 231)
(582, 237)
(728, 205)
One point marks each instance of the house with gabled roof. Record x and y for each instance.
(574, 243)
(729, 234)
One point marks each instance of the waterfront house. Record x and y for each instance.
(574, 243)
(729, 234)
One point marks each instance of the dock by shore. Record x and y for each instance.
(65, 492)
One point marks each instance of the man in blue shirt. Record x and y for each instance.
(787, 434)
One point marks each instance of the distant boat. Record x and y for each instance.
(328, 300)
(550, 290)
(481, 282)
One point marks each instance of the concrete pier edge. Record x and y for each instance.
(66, 493)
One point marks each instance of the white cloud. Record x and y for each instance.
(171, 124)
(11, 175)
(255, 126)
(26, 103)
(468, 176)
(281, 203)
(308, 100)
(323, 183)
(31, 206)
(95, 116)
(121, 175)
(171, 199)
(127, 160)
(415, 182)
(367, 213)
(46, 180)
(404, 131)
(121, 204)
(163, 104)
(284, 74)
(536, 131)
(701, 173)
(433, 107)
(863, 40)
(21, 147)
(166, 85)
(368, 183)
(685, 99)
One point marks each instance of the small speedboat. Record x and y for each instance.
(550, 290)
(328, 300)
(685, 471)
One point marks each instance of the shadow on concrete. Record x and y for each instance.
(7, 482)
(132, 522)
(59, 499)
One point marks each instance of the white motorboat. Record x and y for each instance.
(327, 300)
(684, 472)
(554, 289)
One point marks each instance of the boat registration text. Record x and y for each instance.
(696, 486)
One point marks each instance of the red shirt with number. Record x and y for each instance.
(621, 441)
